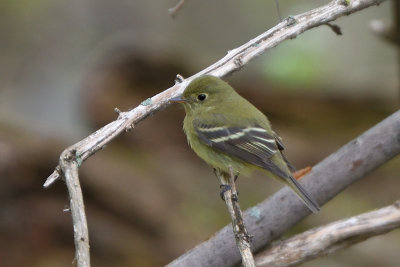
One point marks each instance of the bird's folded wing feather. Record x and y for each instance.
(281, 148)
(250, 144)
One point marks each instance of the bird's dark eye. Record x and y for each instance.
(201, 97)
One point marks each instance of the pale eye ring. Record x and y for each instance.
(202, 97)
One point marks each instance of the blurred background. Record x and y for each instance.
(65, 66)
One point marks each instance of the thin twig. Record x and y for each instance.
(278, 10)
(335, 28)
(330, 238)
(242, 237)
(173, 11)
(272, 217)
(69, 166)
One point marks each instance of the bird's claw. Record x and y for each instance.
(226, 187)
(235, 196)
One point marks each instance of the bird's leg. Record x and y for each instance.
(216, 172)
(224, 183)
(232, 179)
(236, 207)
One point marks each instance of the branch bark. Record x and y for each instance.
(272, 217)
(330, 238)
(242, 237)
(69, 166)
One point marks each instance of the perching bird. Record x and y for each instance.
(229, 133)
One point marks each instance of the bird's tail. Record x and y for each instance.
(302, 193)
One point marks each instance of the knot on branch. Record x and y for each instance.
(290, 21)
(179, 79)
(345, 2)
(129, 127)
(238, 62)
(71, 155)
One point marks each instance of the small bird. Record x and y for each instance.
(231, 135)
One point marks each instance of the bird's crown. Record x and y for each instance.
(207, 86)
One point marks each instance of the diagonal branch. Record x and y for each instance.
(329, 238)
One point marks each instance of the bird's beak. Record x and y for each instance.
(178, 99)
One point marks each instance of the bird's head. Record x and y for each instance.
(204, 93)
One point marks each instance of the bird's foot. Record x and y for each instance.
(224, 188)
(235, 197)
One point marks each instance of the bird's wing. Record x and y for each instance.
(250, 144)
(281, 148)
(253, 145)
